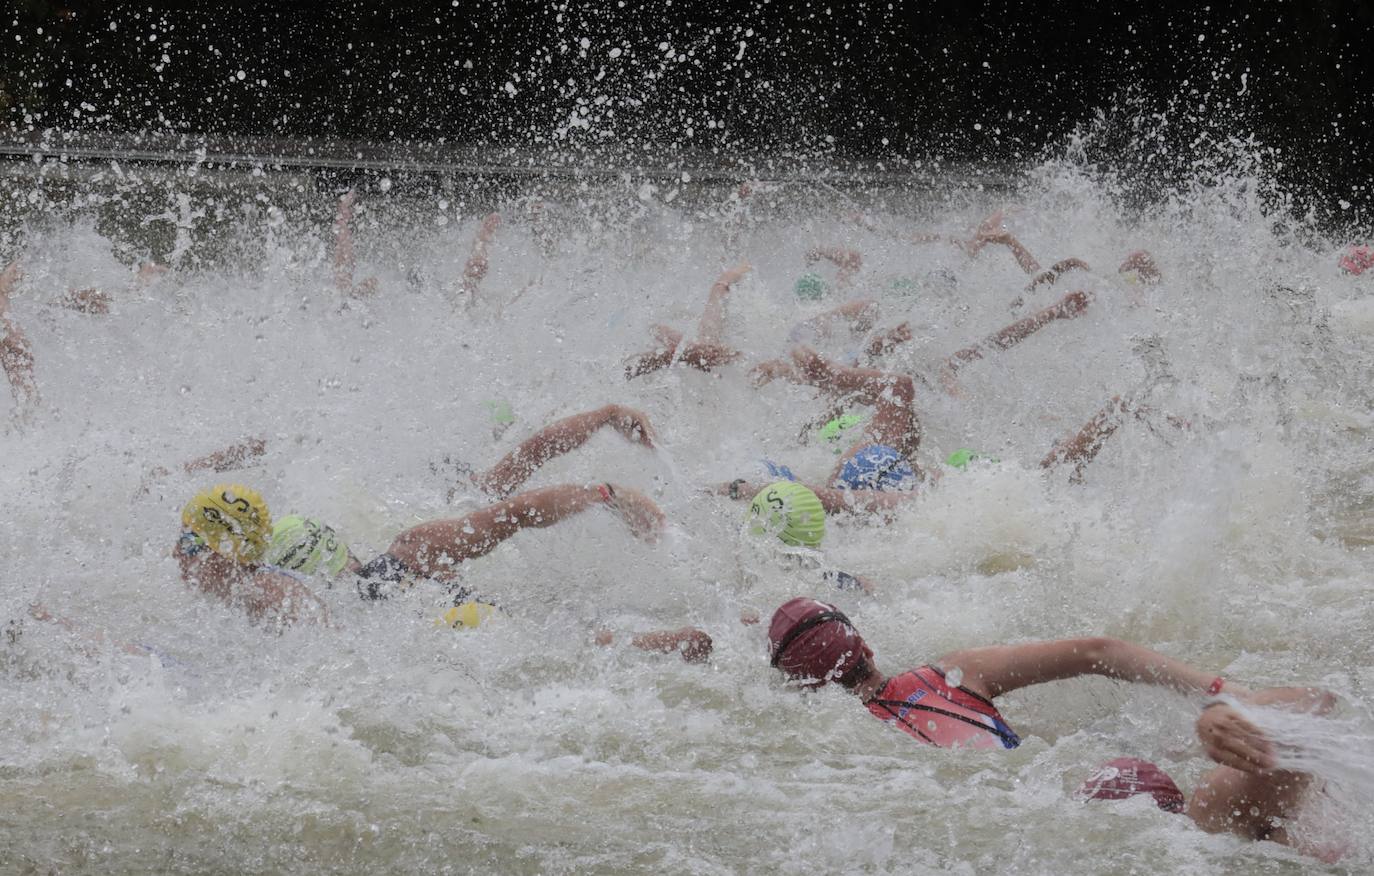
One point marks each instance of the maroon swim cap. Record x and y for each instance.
(813, 640)
(1129, 776)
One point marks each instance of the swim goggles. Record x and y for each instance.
(813, 621)
(190, 544)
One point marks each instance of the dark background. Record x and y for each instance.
(1158, 90)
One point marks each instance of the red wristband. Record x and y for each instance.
(1215, 687)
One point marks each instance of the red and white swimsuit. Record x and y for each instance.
(923, 705)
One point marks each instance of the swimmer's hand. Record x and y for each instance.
(1232, 741)
(645, 520)
(737, 489)
(1143, 264)
(731, 276)
(632, 424)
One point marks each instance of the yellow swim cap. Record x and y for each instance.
(233, 516)
(467, 615)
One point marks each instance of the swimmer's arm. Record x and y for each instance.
(445, 542)
(1002, 669)
(692, 644)
(345, 257)
(282, 599)
(1056, 270)
(1068, 307)
(16, 355)
(1143, 264)
(228, 458)
(849, 261)
(559, 438)
(861, 315)
(476, 268)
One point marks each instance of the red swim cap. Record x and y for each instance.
(814, 641)
(1357, 260)
(1129, 776)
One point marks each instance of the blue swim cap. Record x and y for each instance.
(878, 467)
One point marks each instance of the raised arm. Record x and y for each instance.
(1004, 668)
(16, 356)
(559, 438)
(435, 547)
(345, 256)
(476, 268)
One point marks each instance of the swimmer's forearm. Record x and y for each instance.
(228, 458)
(1129, 662)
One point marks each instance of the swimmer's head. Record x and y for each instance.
(790, 511)
(467, 615)
(230, 519)
(834, 431)
(305, 545)
(813, 642)
(1357, 260)
(1128, 777)
(878, 467)
(811, 287)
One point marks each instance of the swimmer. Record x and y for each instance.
(227, 533)
(1245, 794)
(548, 443)
(878, 471)
(949, 703)
(16, 354)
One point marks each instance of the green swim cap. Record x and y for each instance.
(834, 430)
(305, 545)
(811, 287)
(963, 456)
(904, 286)
(790, 511)
(501, 414)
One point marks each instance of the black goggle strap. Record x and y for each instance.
(813, 621)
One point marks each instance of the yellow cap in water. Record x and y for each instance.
(232, 519)
(467, 615)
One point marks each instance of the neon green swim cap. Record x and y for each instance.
(963, 456)
(790, 511)
(834, 430)
(501, 414)
(466, 615)
(811, 287)
(305, 545)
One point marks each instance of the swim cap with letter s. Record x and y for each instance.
(790, 511)
(305, 545)
(232, 519)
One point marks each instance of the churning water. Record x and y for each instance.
(1239, 543)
